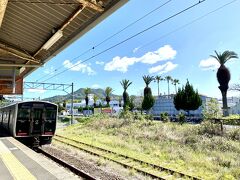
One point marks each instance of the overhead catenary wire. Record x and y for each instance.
(187, 24)
(113, 35)
(131, 37)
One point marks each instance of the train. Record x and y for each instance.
(31, 122)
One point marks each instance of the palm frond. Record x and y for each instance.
(222, 58)
(148, 79)
(125, 83)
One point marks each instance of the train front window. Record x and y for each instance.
(51, 114)
(23, 114)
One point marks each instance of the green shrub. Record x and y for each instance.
(209, 129)
(234, 122)
(181, 118)
(164, 117)
(234, 134)
(149, 117)
(126, 114)
(65, 119)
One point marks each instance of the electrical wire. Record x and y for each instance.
(187, 24)
(110, 37)
(129, 38)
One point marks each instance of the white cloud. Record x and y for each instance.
(36, 91)
(95, 86)
(161, 69)
(49, 71)
(135, 49)
(83, 68)
(121, 64)
(209, 64)
(99, 62)
(164, 53)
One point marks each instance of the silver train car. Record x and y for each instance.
(31, 122)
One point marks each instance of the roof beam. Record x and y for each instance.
(18, 53)
(65, 24)
(19, 65)
(91, 5)
(3, 6)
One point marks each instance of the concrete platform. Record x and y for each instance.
(21, 163)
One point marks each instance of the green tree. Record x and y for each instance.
(132, 103)
(125, 84)
(108, 91)
(60, 107)
(64, 104)
(87, 91)
(187, 99)
(211, 109)
(175, 82)
(158, 79)
(148, 99)
(168, 79)
(223, 75)
(95, 98)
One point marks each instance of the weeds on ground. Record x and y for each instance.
(198, 149)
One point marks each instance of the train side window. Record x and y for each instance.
(5, 117)
(1, 117)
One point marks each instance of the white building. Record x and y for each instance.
(235, 109)
(113, 103)
(233, 105)
(165, 104)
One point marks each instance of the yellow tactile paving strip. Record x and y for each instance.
(17, 170)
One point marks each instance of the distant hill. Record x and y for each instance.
(79, 95)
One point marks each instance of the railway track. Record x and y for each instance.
(66, 165)
(149, 169)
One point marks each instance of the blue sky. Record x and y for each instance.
(183, 54)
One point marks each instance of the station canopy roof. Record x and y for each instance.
(33, 31)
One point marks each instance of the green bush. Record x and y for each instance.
(209, 129)
(65, 119)
(234, 122)
(164, 117)
(234, 134)
(83, 119)
(181, 118)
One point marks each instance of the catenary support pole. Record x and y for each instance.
(14, 81)
(72, 106)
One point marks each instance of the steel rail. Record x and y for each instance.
(164, 169)
(66, 165)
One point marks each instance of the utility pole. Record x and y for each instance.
(72, 106)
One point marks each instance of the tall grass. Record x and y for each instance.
(196, 149)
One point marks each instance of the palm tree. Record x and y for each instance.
(95, 98)
(87, 91)
(148, 99)
(223, 75)
(158, 79)
(175, 82)
(168, 78)
(125, 84)
(108, 91)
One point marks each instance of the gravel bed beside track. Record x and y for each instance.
(88, 167)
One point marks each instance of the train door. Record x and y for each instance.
(9, 118)
(23, 119)
(37, 120)
(50, 122)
